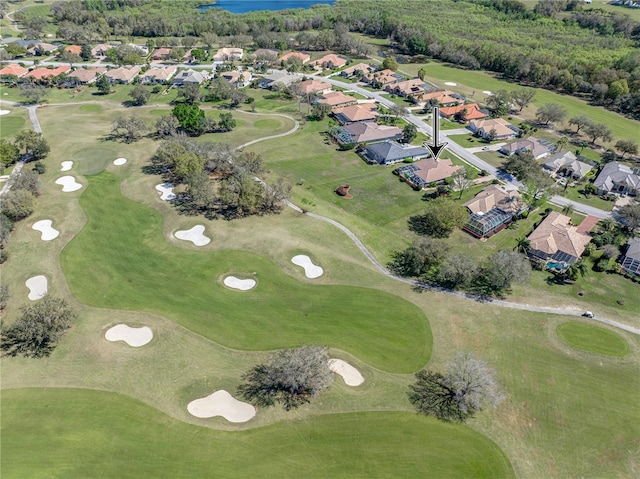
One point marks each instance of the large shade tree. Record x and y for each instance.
(469, 386)
(291, 377)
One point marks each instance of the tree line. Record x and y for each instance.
(220, 182)
(591, 53)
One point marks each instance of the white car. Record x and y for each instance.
(587, 314)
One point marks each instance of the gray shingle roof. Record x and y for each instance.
(615, 173)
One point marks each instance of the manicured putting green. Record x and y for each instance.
(75, 433)
(592, 338)
(121, 260)
(10, 125)
(93, 160)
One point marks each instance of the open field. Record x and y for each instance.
(13, 122)
(473, 83)
(563, 407)
(592, 338)
(185, 285)
(86, 431)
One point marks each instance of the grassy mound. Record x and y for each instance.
(121, 260)
(592, 338)
(83, 433)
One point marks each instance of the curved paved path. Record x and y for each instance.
(373, 260)
(497, 302)
(296, 125)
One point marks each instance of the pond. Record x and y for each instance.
(244, 6)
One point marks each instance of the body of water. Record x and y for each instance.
(244, 6)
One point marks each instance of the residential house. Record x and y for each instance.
(467, 112)
(158, 74)
(566, 164)
(13, 70)
(444, 98)
(88, 76)
(381, 78)
(359, 69)
(492, 210)
(408, 88)
(42, 48)
(160, 54)
(355, 113)
(99, 51)
(278, 79)
(330, 61)
(144, 50)
(631, 257)
(302, 56)
(265, 54)
(44, 73)
(319, 87)
(337, 99)
(369, 132)
(239, 79)
(423, 173)
(123, 75)
(74, 49)
(189, 77)
(538, 148)
(557, 243)
(618, 178)
(390, 152)
(501, 129)
(228, 54)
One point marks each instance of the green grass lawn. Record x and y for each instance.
(473, 83)
(11, 124)
(80, 432)
(469, 141)
(121, 260)
(594, 339)
(573, 193)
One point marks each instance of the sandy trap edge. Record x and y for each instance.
(221, 403)
(134, 337)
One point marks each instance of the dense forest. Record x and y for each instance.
(557, 45)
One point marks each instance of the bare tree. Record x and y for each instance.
(129, 128)
(291, 377)
(468, 387)
(473, 383)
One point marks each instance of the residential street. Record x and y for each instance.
(463, 153)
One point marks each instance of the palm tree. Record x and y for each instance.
(609, 224)
(568, 209)
(523, 246)
(562, 142)
(575, 269)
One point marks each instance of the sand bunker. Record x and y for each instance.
(221, 403)
(4, 112)
(450, 83)
(487, 92)
(68, 183)
(37, 287)
(351, 375)
(119, 161)
(166, 191)
(195, 235)
(45, 228)
(241, 284)
(66, 165)
(310, 270)
(135, 337)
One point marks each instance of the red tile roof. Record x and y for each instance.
(40, 73)
(13, 69)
